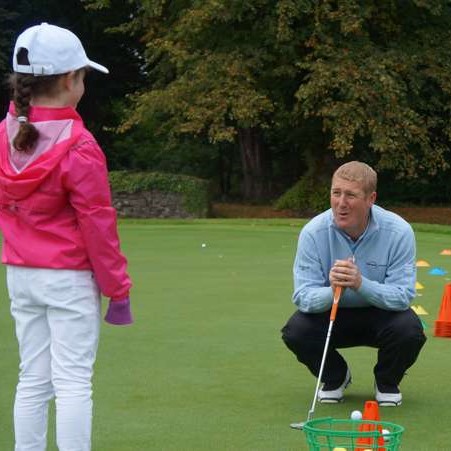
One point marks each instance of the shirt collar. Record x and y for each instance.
(42, 113)
(371, 227)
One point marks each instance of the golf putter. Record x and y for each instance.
(333, 313)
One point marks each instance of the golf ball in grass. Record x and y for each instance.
(204, 245)
(356, 415)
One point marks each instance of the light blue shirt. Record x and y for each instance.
(384, 254)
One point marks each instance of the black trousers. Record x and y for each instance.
(398, 336)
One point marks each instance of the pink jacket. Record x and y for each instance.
(55, 204)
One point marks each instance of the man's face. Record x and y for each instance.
(350, 206)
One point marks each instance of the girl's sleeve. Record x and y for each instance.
(90, 196)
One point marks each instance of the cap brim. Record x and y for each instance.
(99, 67)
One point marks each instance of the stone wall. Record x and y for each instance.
(152, 204)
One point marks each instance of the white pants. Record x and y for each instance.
(57, 316)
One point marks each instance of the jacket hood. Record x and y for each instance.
(22, 173)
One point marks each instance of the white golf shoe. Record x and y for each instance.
(331, 395)
(388, 395)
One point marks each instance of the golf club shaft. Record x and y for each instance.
(333, 313)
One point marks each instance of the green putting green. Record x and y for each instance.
(204, 368)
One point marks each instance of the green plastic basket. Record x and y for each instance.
(350, 435)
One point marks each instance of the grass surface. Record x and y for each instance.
(203, 367)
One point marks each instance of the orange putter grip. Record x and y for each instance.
(337, 294)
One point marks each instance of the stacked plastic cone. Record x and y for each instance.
(370, 413)
(443, 322)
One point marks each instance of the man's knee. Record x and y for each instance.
(407, 328)
(289, 335)
(300, 331)
(292, 331)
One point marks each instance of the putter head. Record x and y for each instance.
(298, 426)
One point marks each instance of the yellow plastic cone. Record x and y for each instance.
(419, 310)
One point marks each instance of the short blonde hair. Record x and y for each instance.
(356, 171)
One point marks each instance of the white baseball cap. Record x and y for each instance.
(51, 50)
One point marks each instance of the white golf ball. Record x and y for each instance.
(204, 245)
(356, 415)
(386, 434)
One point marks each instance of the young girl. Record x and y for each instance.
(61, 245)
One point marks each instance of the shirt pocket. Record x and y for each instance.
(376, 270)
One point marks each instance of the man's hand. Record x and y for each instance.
(346, 274)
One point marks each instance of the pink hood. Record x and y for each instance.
(64, 123)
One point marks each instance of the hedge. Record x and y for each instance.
(307, 195)
(195, 192)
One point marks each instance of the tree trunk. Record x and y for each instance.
(225, 168)
(256, 165)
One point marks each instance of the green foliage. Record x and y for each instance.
(213, 66)
(375, 72)
(11, 13)
(144, 148)
(120, 53)
(195, 191)
(307, 195)
(417, 191)
(320, 82)
(380, 70)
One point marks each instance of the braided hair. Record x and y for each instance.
(24, 87)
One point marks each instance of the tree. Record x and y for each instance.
(378, 76)
(10, 13)
(99, 107)
(371, 77)
(214, 71)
